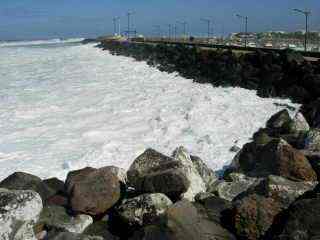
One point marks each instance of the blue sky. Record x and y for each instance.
(39, 19)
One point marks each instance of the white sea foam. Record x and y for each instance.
(39, 42)
(67, 107)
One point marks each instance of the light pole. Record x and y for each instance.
(129, 14)
(184, 24)
(307, 14)
(208, 21)
(158, 30)
(115, 20)
(170, 30)
(245, 18)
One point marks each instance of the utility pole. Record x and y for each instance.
(245, 18)
(208, 21)
(307, 14)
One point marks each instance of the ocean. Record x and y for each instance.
(65, 106)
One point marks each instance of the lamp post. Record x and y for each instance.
(170, 30)
(129, 14)
(208, 21)
(115, 21)
(184, 24)
(158, 30)
(306, 14)
(245, 18)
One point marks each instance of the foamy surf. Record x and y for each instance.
(68, 107)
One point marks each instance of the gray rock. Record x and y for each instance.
(185, 221)
(207, 174)
(74, 236)
(279, 119)
(300, 123)
(193, 170)
(312, 141)
(19, 211)
(255, 211)
(144, 209)
(201, 197)
(100, 229)
(93, 191)
(284, 190)
(169, 179)
(228, 190)
(56, 218)
(25, 181)
(142, 164)
(153, 172)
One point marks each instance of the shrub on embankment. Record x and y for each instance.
(272, 74)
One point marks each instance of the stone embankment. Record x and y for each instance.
(270, 191)
(273, 74)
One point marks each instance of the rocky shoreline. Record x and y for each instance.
(285, 74)
(270, 191)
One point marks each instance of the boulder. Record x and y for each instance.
(228, 190)
(279, 119)
(217, 209)
(312, 140)
(206, 173)
(279, 158)
(56, 218)
(314, 159)
(300, 123)
(142, 164)
(284, 190)
(101, 229)
(143, 210)
(255, 211)
(185, 221)
(74, 236)
(153, 172)
(55, 184)
(253, 215)
(312, 113)
(193, 170)
(77, 176)
(169, 179)
(93, 191)
(25, 181)
(300, 221)
(19, 211)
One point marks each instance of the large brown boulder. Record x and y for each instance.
(279, 158)
(253, 215)
(93, 191)
(255, 211)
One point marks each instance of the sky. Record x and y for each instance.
(45, 19)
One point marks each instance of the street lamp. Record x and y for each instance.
(129, 14)
(307, 14)
(115, 20)
(208, 21)
(170, 30)
(245, 18)
(158, 30)
(184, 24)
